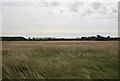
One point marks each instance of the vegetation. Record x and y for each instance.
(60, 60)
(89, 38)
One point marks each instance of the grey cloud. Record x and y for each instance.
(55, 3)
(83, 14)
(114, 10)
(50, 12)
(99, 8)
(10, 4)
(61, 11)
(75, 6)
(96, 5)
(89, 11)
(103, 10)
(46, 4)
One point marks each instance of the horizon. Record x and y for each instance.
(57, 37)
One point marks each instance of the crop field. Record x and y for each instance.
(60, 60)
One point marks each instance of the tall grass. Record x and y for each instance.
(60, 60)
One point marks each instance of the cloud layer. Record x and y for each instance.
(60, 16)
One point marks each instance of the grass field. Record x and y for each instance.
(60, 60)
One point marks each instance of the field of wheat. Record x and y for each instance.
(60, 60)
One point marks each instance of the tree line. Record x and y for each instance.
(89, 38)
(84, 38)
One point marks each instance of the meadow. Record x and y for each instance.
(60, 60)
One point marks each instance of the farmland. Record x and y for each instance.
(60, 60)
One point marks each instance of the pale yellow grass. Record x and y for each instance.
(60, 59)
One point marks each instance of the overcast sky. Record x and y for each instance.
(59, 18)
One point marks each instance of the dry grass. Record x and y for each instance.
(60, 60)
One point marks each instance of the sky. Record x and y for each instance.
(59, 18)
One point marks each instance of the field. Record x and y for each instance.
(60, 60)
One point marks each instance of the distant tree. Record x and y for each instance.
(108, 38)
(98, 36)
(92, 38)
(29, 38)
(83, 38)
(33, 38)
